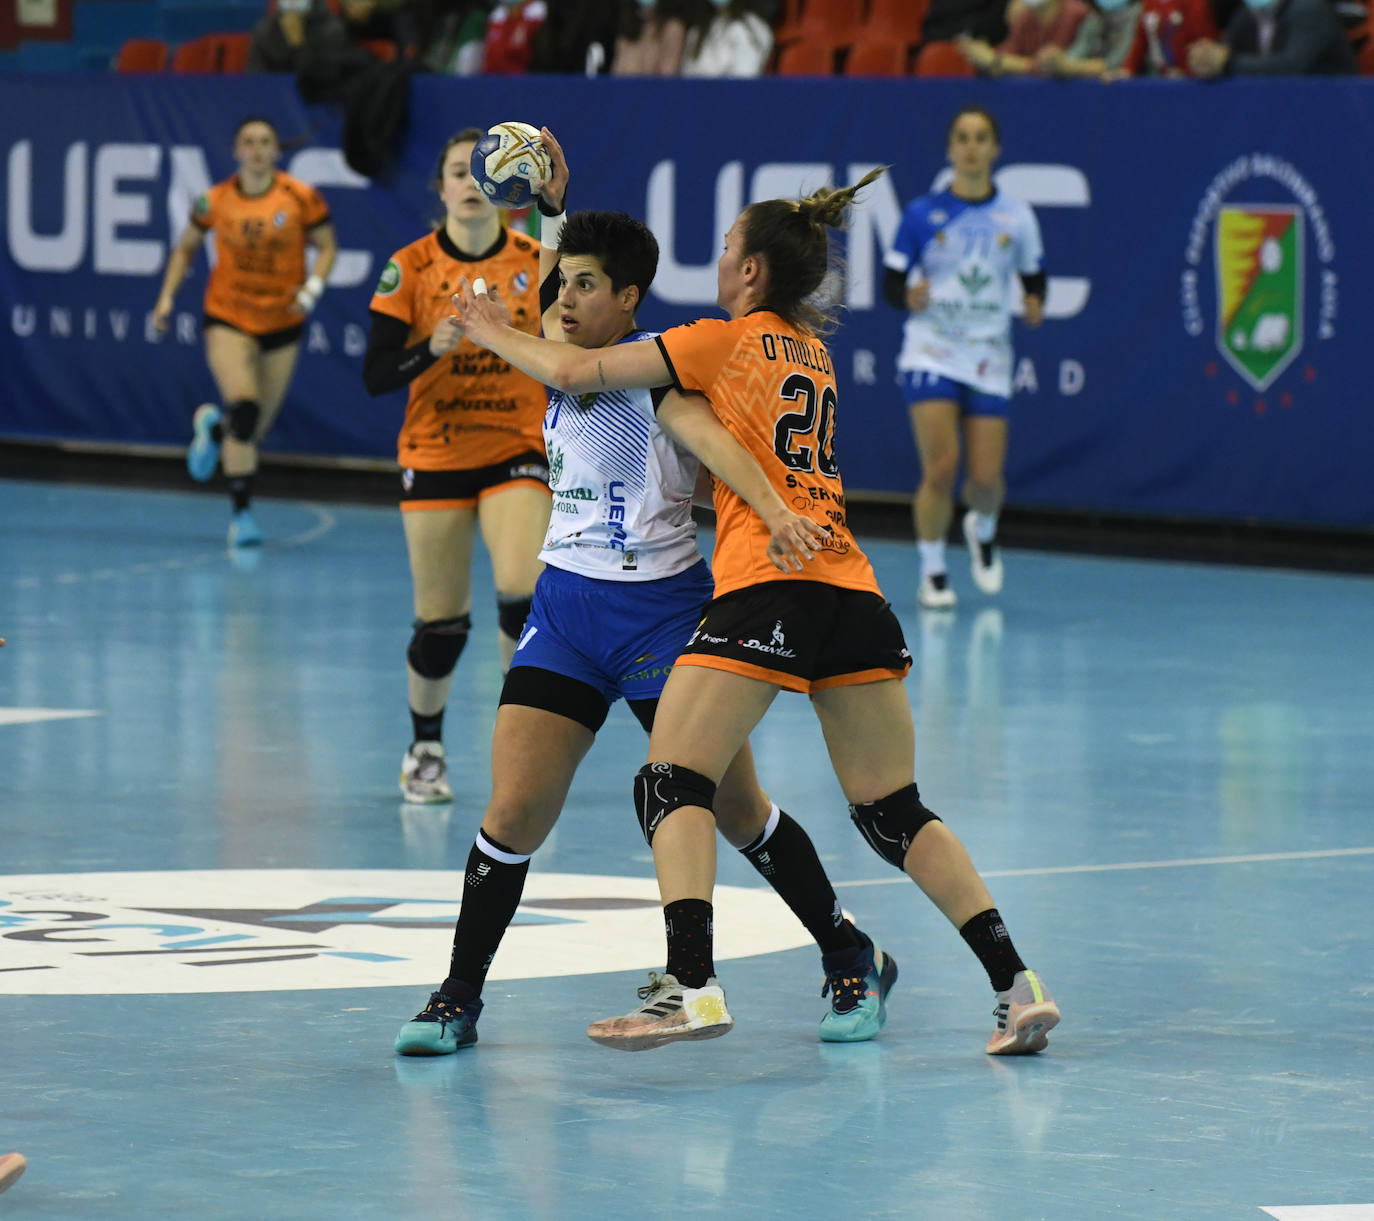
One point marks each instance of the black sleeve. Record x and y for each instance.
(390, 365)
(894, 288)
(1033, 283)
(667, 360)
(548, 290)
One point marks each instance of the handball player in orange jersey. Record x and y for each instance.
(256, 303)
(825, 630)
(471, 447)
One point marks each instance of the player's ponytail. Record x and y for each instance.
(791, 237)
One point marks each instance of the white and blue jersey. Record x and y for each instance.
(624, 584)
(969, 253)
(622, 489)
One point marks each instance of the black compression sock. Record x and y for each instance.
(687, 923)
(492, 886)
(241, 491)
(987, 937)
(427, 728)
(784, 854)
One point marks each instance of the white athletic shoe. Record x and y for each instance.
(670, 1012)
(935, 593)
(984, 559)
(424, 775)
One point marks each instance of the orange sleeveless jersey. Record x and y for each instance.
(774, 389)
(470, 408)
(260, 243)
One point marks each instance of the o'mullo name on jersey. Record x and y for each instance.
(796, 351)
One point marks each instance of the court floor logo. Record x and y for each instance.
(262, 930)
(1263, 297)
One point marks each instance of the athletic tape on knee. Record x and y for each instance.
(243, 419)
(511, 613)
(891, 823)
(661, 788)
(436, 645)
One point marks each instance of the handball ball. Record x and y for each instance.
(508, 161)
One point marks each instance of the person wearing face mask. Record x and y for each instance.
(1036, 25)
(1163, 33)
(734, 41)
(1100, 46)
(651, 40)
(292, 33)
(1277, 38)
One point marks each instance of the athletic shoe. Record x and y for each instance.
(11, 1167)
(857, 982)
(441, 1028)
(424, 775)
(670, 1012)
(243, 530)
(984, 559)
(203, 456)
(935, 593)
(1025, 1013)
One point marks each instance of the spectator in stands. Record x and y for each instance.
(284, 40)
(1163, 34)
(651, 38)
(576, 38)
(509, 43)
(734, 41)
(1101, 45)
(947, 20)
(1277, 38)
(1036, 24)
(451, 35)
(390, 21)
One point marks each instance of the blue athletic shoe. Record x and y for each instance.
(441, 1028)
(243, 530)
(203, 456)
(858, 982)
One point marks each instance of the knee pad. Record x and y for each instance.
(890, 823)
(661, 788)
(436, 644)
(243, 419)
(511, 612)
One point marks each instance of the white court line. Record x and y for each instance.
(327, 521)
(1183, 862)
(28, 716)
(1320, 1212)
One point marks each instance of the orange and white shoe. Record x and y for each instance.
(1025, 1013)
(11, 1167)
(669, 1013)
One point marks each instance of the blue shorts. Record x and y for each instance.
(919, 385)
(619, 637)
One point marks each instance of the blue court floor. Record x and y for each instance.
(215, 912)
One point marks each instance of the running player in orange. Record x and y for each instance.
(256, 303)
(825, 631)
(471, 447)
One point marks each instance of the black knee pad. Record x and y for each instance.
(511, 613)
(436, 645)
(890, 823)
(661, 788)
(243, 419)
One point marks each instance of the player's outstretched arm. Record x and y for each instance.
(565, 366)
(689, 420)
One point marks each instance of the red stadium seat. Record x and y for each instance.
(142, 55)
(898, 20)
(942, 59)
(806, 58)
(834, 21)
(383, 48)
(875, 56)
(233, 51)
(199, 55)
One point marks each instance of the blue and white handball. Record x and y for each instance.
(508, 161)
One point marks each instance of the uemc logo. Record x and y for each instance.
(106, 196)
(1258, 224)
(872, 230)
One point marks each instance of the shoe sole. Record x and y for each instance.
(1030, 1034)
(884, 988)
(647, 1042)
(425, 1050)
(414, 799)
(985, 583)
(201, 441)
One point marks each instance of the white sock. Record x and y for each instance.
(985, 527)
(932, 557)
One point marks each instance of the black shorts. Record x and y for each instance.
(463, 489)
(269, 342)
(801, 636)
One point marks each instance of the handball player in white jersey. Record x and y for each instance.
(952, 267)
(623, 588)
